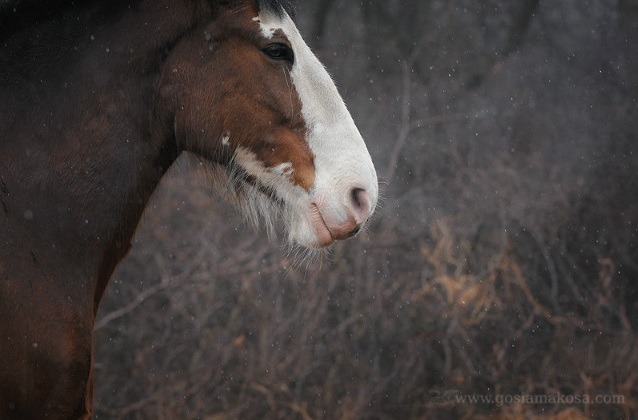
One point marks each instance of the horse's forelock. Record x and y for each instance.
(276, 7)
(279, 7)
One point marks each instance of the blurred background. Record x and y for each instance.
(503, 260)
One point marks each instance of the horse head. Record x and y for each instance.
(245, 91)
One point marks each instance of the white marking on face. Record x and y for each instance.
(283, 169)
(256, 205)
(226, 139)
(342, 162)
(276, 177)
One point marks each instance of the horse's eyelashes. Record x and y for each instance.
(280, 52)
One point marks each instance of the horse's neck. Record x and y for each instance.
(81, 154)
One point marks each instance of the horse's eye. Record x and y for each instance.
(281, 52)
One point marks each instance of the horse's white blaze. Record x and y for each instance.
(342, 162)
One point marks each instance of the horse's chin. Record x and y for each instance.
(311, 230)
(319, 226)
(323, 235)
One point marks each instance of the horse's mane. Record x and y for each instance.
(19, 14)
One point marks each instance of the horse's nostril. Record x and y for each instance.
(354, 231)
(360, 203)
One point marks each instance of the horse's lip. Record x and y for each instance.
(324, 235)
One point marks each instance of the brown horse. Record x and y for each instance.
(97, 99)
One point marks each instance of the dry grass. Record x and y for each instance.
(383, 329)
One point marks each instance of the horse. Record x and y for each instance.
(97, 99)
